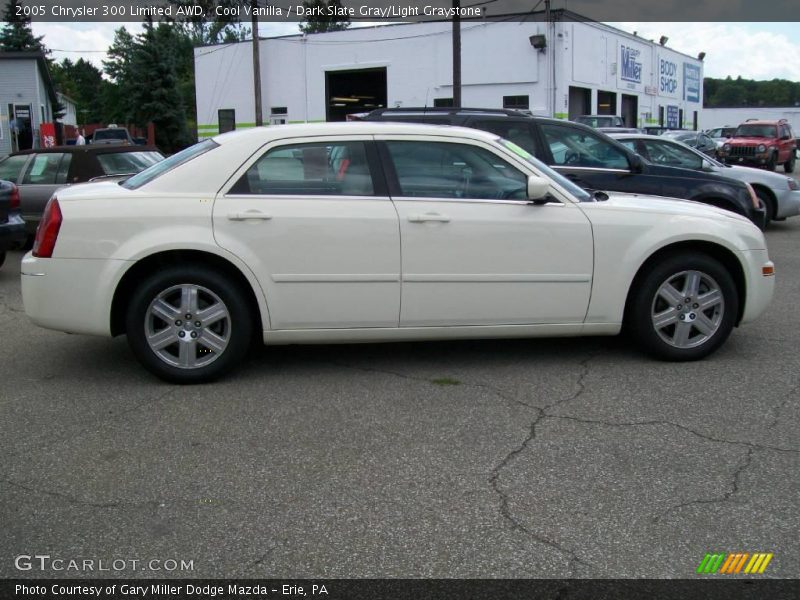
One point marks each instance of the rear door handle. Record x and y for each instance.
(247, 215)
(435, 217)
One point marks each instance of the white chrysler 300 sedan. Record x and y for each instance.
(367, 232)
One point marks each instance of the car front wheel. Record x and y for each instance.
(2, 257)
(189, 324)
(684, 308)
(788, 166)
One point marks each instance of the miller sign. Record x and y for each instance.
(631, 69)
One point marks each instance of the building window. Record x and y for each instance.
(517, 102)
(443, 102)
(227, 119)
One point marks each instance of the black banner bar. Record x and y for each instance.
(715, 588)
(409, 10)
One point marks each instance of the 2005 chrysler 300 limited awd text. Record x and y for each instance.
(381, 232)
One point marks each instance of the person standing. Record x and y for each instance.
(80, 140)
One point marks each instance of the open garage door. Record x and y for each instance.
(356, 91)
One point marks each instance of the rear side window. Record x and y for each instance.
(110, 134)
(518, 132)
(11, 167)
(47, 169)
(317, 169)
(121, 163)
(573, 147)
(158, 169)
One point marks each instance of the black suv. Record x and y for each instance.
(589, 158)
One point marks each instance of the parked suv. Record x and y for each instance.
(762, 143)
(591, 159)
(113, 135)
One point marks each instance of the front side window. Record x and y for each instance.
(672, 155)
(445, 170)
(47, 169)
(578, 148)
(316, 169)
(10, 167)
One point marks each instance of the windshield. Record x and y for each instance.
(158, 169)
(765, 131)
(579, 193)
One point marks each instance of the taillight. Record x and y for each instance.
(14, 197)
(47, 232)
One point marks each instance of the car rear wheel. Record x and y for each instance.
(2, 257)
(189, 324)
(684, 308)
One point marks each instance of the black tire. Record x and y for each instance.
(211, 288)
(772, 163)
(646, 303)
(2, 257)
(769, 205)
(788, 166)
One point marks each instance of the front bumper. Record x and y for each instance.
(12, 233)
(788, 203)
(759, 288)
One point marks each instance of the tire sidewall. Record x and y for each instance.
(641, 318)
(234, 299)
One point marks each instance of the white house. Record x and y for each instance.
(562, 68)
(26, 99)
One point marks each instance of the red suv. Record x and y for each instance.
(761, 143)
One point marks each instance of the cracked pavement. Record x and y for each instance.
(520, 458)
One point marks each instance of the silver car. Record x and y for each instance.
(779, 193)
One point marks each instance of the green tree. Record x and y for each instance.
(17, 35)
(83, 83)
(317, 23)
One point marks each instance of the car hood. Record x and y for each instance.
(668, 206)
(749, 141)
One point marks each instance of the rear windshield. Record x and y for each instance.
(110, 134)
(158, 169)
(127, 163)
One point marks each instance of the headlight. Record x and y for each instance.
(726, 147)
(762, 148)
(753, 196)
(793, 184)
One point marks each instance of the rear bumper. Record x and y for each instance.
(72, 295)
(12, 233)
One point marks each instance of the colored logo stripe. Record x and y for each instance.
(734, 563)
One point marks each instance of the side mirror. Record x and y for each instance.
(707, 165)
(635, 161)
(538, 188)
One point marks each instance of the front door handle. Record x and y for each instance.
(435, 217)
(247, 215)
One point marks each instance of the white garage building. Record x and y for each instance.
(562, 68)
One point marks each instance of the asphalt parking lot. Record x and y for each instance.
(524, 458)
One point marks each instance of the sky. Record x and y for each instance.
(752, 50)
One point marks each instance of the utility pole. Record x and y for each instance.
(256, 63)
(456, 53)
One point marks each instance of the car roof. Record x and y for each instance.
(276, 132)
(638, 136)
(87, 149)
(764, 122)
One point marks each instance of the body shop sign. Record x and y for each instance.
(691, 82)
(667, 77)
